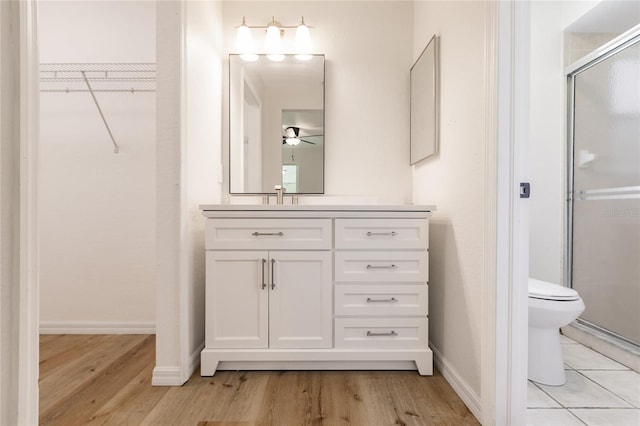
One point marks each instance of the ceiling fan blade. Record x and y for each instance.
(312, 143)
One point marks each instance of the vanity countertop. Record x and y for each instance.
(316, 207)
(219, 210)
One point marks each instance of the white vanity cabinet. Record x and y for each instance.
(260, 299)
(316, 287)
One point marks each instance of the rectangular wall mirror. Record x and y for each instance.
(276, 125)
(425, 103)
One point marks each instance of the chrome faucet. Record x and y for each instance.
(279, 194)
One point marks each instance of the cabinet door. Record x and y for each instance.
(300, 312)
(237, 297)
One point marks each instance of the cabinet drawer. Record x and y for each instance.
(266, 234)
(381, 300)
(382, 234)
(395, 266)
(382, 333)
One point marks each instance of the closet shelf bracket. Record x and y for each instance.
(116, 148)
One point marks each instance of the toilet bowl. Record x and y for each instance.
(551, 306)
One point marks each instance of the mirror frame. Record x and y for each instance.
(229, 131)
(425, 103)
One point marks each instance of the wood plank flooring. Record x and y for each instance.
(106, 380)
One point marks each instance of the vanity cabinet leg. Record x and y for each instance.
(208, 364)
(425, 364)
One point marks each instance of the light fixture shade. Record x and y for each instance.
(249, 57)
(303, 39)
(292, 141)
(244, 40)
(290, 132)
(277, 57)
(272, 41)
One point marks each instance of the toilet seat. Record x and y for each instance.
(548, 291)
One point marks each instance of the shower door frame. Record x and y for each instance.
(599, 55)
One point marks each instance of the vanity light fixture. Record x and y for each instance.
(273, 41)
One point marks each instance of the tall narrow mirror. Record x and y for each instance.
(276, 125)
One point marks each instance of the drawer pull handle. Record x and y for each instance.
(391, 333)
(392, 233)
(264, 284)
(382, 267)
(392, 300)
(258, 234)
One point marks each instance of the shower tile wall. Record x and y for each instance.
(577, 45)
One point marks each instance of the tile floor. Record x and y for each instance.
(598, 392)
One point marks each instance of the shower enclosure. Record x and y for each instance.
(604, 188)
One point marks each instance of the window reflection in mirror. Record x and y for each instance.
(276, 125)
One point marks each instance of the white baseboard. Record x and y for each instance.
(171, 376)
(461, 387)
(166, 376)
(194, 361)
(97, 327)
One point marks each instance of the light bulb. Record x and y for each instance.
(292, 141)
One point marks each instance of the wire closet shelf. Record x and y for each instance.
(98, 77)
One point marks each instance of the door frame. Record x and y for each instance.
(505, 313)
(24, 319)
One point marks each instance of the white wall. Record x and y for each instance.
(453, 180)
(97, 225)
(188, 162)
(368, 55)
(203, 148)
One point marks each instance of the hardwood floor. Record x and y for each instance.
(106, 380)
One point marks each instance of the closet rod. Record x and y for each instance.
(116, 148)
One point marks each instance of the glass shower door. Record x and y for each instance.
(605, 232)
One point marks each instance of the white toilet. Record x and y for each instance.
(551, 306)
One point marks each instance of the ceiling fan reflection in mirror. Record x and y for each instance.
(292, 136)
